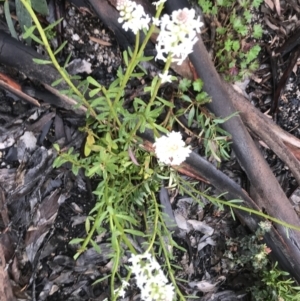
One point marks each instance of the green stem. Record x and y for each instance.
(111, 107)
(156, 88)
(27, 5)
(155, 224)
(137, 54)
(123, 236)
(116, 258)
(249, 210)
(173, 280)
(132, 64)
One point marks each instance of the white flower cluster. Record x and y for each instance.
(150, 279)
(178, 34)
(133, 16)
(171, 149)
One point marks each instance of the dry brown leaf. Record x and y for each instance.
(270, 4)
(100, 41)
(277, 7)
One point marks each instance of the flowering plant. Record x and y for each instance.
(129, 180)
(171, 149)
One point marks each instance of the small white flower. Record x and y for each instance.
(171, 149)
(178, 34)
(121, 291)
(150, 278)
(158, 3)
(156, 21)
(165, 78)
(132, 15)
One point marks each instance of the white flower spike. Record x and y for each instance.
(178, 34)
(150, 278)
(171, 149)
(132, 15)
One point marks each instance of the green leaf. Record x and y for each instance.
(36, 39)
(257, 31)
(160, 128)
(75, 169)
(165, 102)
(257, 3)
(41, 62)
(127, 218)
(247, 16)
(253, 53)
(93, 92)
(197, 85)
(23, 17)
(134, 232)
(95, 246)
(40, 6)
(60, 48)
(206, 6)
(87, 225)
(191, 116)
(184, 84)
(57, 82)
(146, 58)
(56, 147)
(93, 82)
(221, 30)
(227, 45)
(52, 25)
(75, 241)
(125, 57)
(9, 20)
(235, 45)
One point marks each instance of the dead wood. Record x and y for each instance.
(10, 49)
(6, 292)
(283, 144)
(18, 56)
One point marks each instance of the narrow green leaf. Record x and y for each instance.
(76, 241)
(93, 92)
(95, 246)
(125, 56)
(60, 48)
(134, 232)
(191, 116)
(52, 25)
(127, 218)
(36, 39)
(87, 225)
(68, 59)
(57, 82)
(93, 82)
(41, 62)
(23, 17)
(29, 31)
(9, 20)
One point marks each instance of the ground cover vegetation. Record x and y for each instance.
(129, 176)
